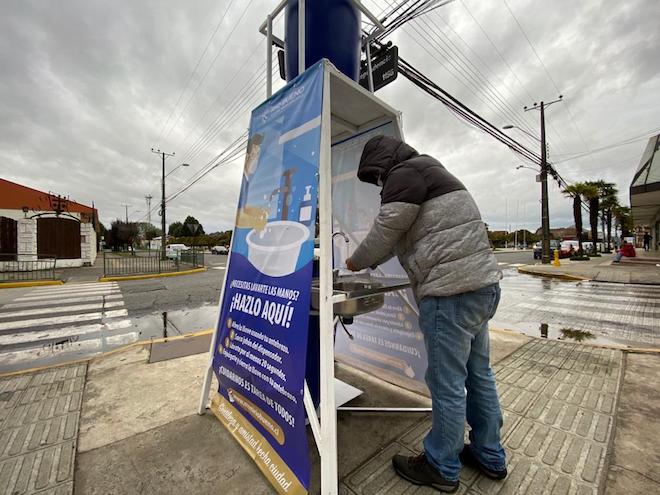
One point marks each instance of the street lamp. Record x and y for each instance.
(162, 205)
(177, 168)
(507, 127)
(543, 176)
(162, 199)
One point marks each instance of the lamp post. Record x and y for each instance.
(162, 198)
(528, 168)
(507, 127)
(162, 205)
(545, 214)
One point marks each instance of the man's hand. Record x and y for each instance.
(350, 265)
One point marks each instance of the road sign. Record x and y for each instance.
(385, 67)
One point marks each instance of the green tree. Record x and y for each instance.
(122, 235)
(608, 201)
(148, 231)
(192, 227)
(624, 220)
(591, 193)
(175, 229)
(576, 191)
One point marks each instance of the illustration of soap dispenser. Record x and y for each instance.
(306, 207)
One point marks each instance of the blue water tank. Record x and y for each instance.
(332, 31)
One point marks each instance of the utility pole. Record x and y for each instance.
(126, 206)
(148, 197)
(545, 215)
(506, 223)
(162, 201)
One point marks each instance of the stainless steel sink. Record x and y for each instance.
(363, 296)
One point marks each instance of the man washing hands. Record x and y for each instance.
(430, 221)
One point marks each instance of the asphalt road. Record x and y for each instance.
(187, 292)
(515, 257)
(175, 293)
(45, 325)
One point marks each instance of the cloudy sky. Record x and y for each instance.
(87, 87)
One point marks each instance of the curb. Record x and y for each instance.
(121, 278)
(126, 347)
(562, 276)
(34, 283)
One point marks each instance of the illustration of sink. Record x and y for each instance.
(363, 296)
(274, 250)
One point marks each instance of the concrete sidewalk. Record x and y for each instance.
(578, 420)
(600, 270)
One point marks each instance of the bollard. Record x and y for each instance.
(556, 261)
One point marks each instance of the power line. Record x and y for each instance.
(508, 109)
(222, 92)
(570, 114)
(604, 148)
(256, 86)
(466, 78)
(553, 130)
(208, 70)
(190, 77)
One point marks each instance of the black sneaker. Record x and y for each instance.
(418, 471)
(468, 459)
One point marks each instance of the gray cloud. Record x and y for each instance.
(87, 86)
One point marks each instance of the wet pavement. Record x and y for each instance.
(595, 312)
(46, 326)
(52, 325)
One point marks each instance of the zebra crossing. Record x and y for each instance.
(613, 313)
(55, 324)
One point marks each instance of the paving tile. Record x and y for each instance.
(558, 401)
(38, 430)
(377, 476)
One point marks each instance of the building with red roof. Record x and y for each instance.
(42, 225)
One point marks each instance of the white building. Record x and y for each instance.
(37, 225)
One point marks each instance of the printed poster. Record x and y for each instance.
(260, 352)
(387, 343)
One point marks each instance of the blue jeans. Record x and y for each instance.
(456, 336)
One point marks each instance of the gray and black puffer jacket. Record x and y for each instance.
(428, 219)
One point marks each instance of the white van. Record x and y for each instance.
(173, 251)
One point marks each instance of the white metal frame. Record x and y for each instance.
(325, 429)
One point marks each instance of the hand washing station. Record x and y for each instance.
(362, 293)
(258, 263)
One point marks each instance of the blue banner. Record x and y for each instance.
(261, 341)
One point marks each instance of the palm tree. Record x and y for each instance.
(608, 201)
(623, 217)
(575, 191)
(591, 193)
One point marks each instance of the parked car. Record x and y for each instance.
(219, 250)
(538, 249)
(173, 251)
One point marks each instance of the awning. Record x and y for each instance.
(645, 186)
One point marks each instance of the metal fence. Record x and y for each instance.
(18, 269)
(147, 262)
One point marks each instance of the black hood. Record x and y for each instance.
(379, 155)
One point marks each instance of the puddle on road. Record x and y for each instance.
(81, 342)
(173, 323)
(567, 334)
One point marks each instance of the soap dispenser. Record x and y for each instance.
(306, 207)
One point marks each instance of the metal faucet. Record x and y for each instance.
(346, 239)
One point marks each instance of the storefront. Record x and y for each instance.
(645, 191)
